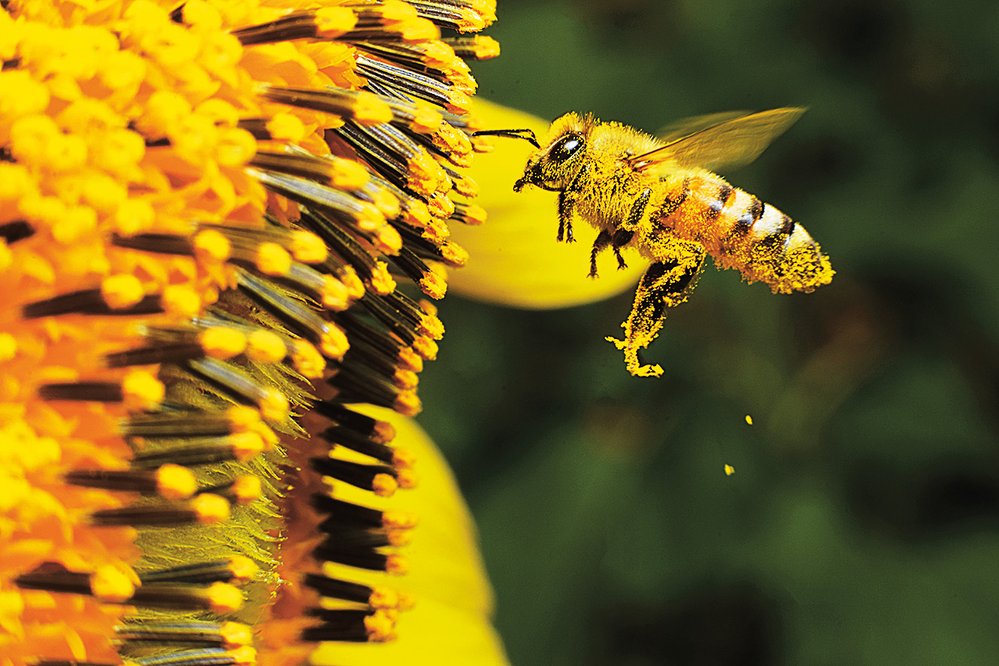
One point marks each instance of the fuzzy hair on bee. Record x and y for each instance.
(661, 197)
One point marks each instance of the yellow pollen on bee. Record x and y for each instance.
(729, 470)
(749, 420)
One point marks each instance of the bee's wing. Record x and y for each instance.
(720, 139)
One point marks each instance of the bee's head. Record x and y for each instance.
(554, 165)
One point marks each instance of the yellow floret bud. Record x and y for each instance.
(134, 216)
(379, 627)
(286, 127)
(211, 509)
(224, 598)
(434, 285)
(274, 406)
(369, 109)
(8, 347)
(142, 391)
(112, 585)
(381, 280)
(334, 21)
(181, 301)
(396, 565)
(307, 360)
(246, 445)
(308, 248)
(384, 485)
(121, 291)
(247, 488)
(272, 259)
(334, 343)
(212, 245)
(236, 634)
(222, 342)
(235, 147)
(265, 347)
(388, 240)
(335, 295)
(174, 482)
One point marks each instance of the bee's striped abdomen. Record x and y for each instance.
(740, 231)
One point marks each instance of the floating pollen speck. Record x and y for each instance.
(729, 470)
(749, 420)
(216, 219)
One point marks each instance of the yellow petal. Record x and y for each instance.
(450, 623)
(515, 259)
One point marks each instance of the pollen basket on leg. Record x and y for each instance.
(217, 224)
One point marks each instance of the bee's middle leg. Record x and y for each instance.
(625, 231)
(602, 241)
(664, 285)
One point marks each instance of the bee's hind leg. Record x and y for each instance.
(664, 285)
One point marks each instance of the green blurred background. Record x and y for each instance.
(861, 525)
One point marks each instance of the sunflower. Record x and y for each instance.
(221, 228)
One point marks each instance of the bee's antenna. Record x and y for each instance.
(525, 134)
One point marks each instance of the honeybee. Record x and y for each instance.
(659, 195)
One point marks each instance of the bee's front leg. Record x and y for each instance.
(567, 204)
(664, 285)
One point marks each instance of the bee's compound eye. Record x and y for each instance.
(566, 147)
